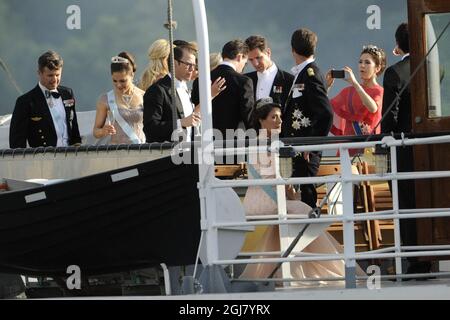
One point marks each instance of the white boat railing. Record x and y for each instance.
(347, 179)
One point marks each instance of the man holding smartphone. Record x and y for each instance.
(307, 110)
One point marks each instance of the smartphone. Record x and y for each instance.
(338, 74)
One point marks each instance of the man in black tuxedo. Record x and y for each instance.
(158, 104)
(397, 119)
(45, 116)
(235, 104)
(268, 80)
(307, 111)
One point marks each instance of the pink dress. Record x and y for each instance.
(258, 202)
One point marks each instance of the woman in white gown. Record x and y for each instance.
(258, 201)
(120, 111)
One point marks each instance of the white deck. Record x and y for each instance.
(411, 290)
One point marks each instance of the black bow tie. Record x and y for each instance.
(54, 94)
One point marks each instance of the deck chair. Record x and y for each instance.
(363, 234)
(378, 197)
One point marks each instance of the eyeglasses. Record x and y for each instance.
(192, 66)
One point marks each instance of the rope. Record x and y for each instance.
(172, 25)
(10, 76)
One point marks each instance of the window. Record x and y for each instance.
(438, 65)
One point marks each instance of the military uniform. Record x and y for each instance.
(307, 114)
(32, 121)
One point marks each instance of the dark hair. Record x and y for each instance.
(234, 47)
(262, 110)
(128, 66)
(402, 37)
(50, 59)
(178, 52)
(303, 42)
(191, 45)
(378, 55)
(180, 42)
(256, 42)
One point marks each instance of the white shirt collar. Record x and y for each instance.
(298, 68)
(272, 69)
(180, 84)
(45, 89)
(405, 56)
(230, 64)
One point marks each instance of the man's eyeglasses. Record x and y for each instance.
(192, 66)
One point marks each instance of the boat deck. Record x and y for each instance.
(433, 289)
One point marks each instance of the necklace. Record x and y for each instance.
(128, 97)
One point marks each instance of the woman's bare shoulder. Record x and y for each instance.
(102, 100)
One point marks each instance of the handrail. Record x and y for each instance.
(349, 217)
(299, 141)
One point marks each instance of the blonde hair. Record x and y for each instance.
(158, 52)
(215, 59)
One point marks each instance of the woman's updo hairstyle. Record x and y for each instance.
(124, 61)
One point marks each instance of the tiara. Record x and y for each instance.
(117, 59)
(373, 49)
(264, 101)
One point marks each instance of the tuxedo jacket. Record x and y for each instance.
(308, 111)
(32, 121)
(282, 82)
(158, 106)
(398, 119)
(234, 104)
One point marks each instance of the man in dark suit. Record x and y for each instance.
(158, 104)
(397, 119)
(45, 116)
(268, 80)
(235, 104)
(308, 111)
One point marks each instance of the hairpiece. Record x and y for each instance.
(117, 59)
(373, 49)
(265, 101)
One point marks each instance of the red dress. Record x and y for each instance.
(347, 114)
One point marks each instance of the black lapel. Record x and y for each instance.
(65, 95)
(254, 77)
(277, 82)
(167, 83)
(42, 106)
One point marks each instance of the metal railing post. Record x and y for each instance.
(349, 231)
(395, 208)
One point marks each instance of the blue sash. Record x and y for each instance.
(267, 189)
(355, 124)
(121, 121)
